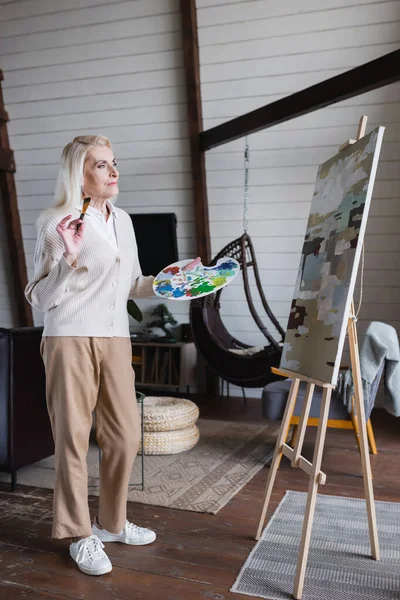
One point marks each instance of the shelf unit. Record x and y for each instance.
(166, 366)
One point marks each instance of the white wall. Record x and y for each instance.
(88, 66)
(254, 52)
(117, 69)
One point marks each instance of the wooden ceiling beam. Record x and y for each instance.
(3, 115)
(8, 197)
(369, 76)
(195, 125)
(7, 160)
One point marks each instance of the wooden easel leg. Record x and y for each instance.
(356, 430)
(364, 452)
(312, 495)
(287, 437)
(278, 452)
(298, 443)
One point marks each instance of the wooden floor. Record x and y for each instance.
(196, 556)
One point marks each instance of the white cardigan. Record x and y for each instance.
(90, 298)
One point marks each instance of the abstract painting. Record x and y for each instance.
(175, 284)
(328, 267)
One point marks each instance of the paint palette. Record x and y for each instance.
(174, 284)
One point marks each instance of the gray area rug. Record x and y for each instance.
(340, 566)
(203, 479)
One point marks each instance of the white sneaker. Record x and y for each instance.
(90, 556)
(131, 534)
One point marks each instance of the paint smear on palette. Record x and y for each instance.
(175, 284)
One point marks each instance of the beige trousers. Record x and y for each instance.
(86, 374)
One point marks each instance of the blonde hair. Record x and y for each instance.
(68, 190)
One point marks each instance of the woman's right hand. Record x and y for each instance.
(72, 236)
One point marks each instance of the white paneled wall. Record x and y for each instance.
(117, 69)
(91, 66)
(254, 52)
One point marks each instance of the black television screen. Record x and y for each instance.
(156, 240)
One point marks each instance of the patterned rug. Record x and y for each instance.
(203, 479)
(339, 566)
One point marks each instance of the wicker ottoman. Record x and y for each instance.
(169, 425)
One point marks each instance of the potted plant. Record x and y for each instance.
(163, 318)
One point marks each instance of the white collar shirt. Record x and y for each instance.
(106, 228)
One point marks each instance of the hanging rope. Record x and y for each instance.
(246, 186)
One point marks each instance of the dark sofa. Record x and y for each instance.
(25, 431)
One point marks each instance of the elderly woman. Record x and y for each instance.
(85, 271)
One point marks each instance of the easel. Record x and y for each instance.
(317, 477)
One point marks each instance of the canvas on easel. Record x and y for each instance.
(329, 261)
(321, 311)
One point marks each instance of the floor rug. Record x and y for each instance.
(203, 479)
(339, 566)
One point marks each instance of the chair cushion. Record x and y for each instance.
(275, 395)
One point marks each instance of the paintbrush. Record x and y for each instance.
(85, 206)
